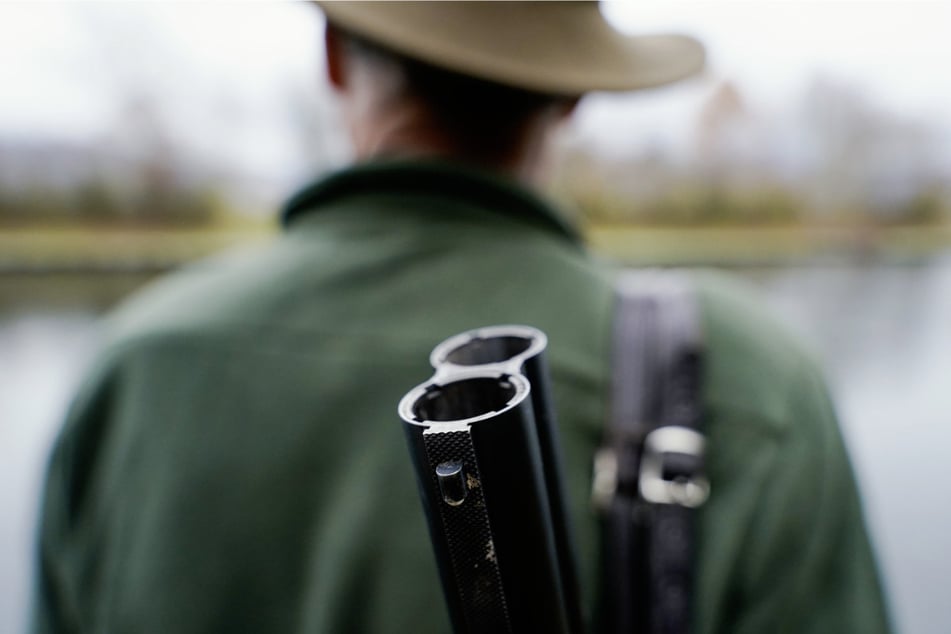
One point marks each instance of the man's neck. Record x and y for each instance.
(411, 132)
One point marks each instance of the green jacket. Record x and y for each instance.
(234, 461)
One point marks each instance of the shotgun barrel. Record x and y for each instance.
(484, 445)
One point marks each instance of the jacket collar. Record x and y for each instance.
(433, 179)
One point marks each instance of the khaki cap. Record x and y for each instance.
(561, 48)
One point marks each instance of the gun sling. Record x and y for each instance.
(648, 478)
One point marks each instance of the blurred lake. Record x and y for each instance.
(882, 330)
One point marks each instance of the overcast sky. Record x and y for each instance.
(223, 72)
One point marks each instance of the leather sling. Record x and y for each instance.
(648, 477)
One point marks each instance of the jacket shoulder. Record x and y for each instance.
(223, 293)
(756, 366)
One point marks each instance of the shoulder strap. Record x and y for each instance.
(648, 476)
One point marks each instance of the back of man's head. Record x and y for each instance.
(480, 117)
(483, 80)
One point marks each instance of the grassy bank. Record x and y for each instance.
(111, 247)
(65, 248)
(754, 245)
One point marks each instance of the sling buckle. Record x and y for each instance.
(604, 484)
(671, 467)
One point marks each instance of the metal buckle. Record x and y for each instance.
(689, 491)
(604, 481)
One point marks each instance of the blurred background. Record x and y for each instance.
(813, 159)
